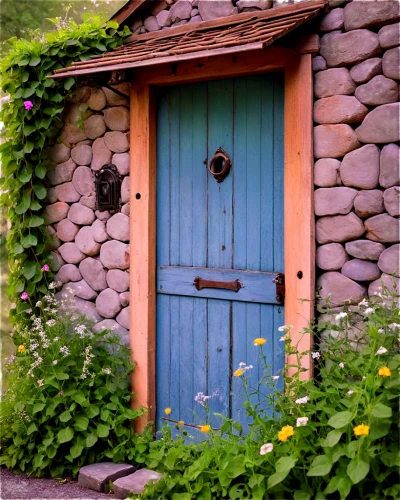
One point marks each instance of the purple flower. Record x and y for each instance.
(46, 268)
(24, 296)
(28, 105)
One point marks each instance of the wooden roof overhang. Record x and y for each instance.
(238, 33)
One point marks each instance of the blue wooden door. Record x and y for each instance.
(227, 231)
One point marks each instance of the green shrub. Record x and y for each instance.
(334, 436)
(68, 397)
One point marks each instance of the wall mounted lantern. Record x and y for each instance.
(108, 188)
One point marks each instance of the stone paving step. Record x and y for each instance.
(134, 483)
(98, 476)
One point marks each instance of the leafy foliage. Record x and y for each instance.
(335, 436)
(68, 402)
(29, 132)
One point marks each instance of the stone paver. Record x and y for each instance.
(134, 483)
(97, 476)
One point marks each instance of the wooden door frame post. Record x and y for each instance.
(298, 199)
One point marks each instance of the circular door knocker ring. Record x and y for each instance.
(220, 165)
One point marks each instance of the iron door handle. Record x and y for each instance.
(200, 283)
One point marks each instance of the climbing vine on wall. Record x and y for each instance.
(32, 119)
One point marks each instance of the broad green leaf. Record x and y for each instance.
(65, 435)
(285, 464)
(276, 479)
(62, 376)
(76, 450)
(36, 221)
(357, 469)
(51, 451)
(301, 495)
(340, 419)
(102, 430)
(37, 460)
(332, 438)
(35, 205)
(69, 82)
(92, 411)
(321, 466)
(381, 411)
(28, 148)
(65, 416)
(38, 407)
(41, 171)
(81, 423)
(27, 93)
(91, 440)
(31, 428)
(29, 269)
(379, 430)
(34, 61)
(29, 241)
(28, 129)
(40, 190)
(17, 249)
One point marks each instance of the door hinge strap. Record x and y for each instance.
(280, 287)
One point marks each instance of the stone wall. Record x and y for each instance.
(91, 248)
(356, 134)
(168, 13)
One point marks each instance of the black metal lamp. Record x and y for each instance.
(108, 188)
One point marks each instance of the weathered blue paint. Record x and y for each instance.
(229, 230)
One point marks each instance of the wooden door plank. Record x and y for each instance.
(299, 212)
(257, 287)
(143, 256)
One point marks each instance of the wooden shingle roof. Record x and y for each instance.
(240, 32)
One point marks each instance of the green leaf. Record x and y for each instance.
(34, 61)
(357, 469)
(340, 419)
(62, 376)
(381, 411)
(17, 249)
(283, 467)
(31, 428)
(65, 416)
(320, 466)
(332, 438)
(276, 479)
(36, 221)
(38, 407)
(27, 93)
(28, 148)
(92, 411)
(76, 450)
(40, 190)
(65, 435)
(102, 430)
(29, 269)
(69, 82)
(301, 495)
(37, 460)
(91, 440)
(41, 171)
(29, 241)
(35, 205)
(51, 451)
(28, 129)
(81, 423)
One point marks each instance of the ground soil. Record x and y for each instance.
(18, 487)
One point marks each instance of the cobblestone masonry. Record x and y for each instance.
(356, 171)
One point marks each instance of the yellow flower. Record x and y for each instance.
(21, 348)
(238, 372)
(181, 422)
(384, 371)
(260, 341)
(205, 428)
(285, 433)
(361, 430)
(167, 411)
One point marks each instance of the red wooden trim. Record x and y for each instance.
(143, 250)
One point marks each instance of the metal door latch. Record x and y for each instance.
(280, 288)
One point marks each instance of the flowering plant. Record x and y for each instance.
(334, 436)
(68, 397)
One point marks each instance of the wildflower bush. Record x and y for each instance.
(335, 436)
(32, 119)
(68, 397)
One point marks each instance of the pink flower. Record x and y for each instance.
(28, 105)
(46, 268)
(60, 393)
(24, 296)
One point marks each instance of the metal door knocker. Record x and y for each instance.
(220, 165)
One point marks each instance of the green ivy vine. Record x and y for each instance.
(31, 122)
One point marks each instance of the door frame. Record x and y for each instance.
(299, 240)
